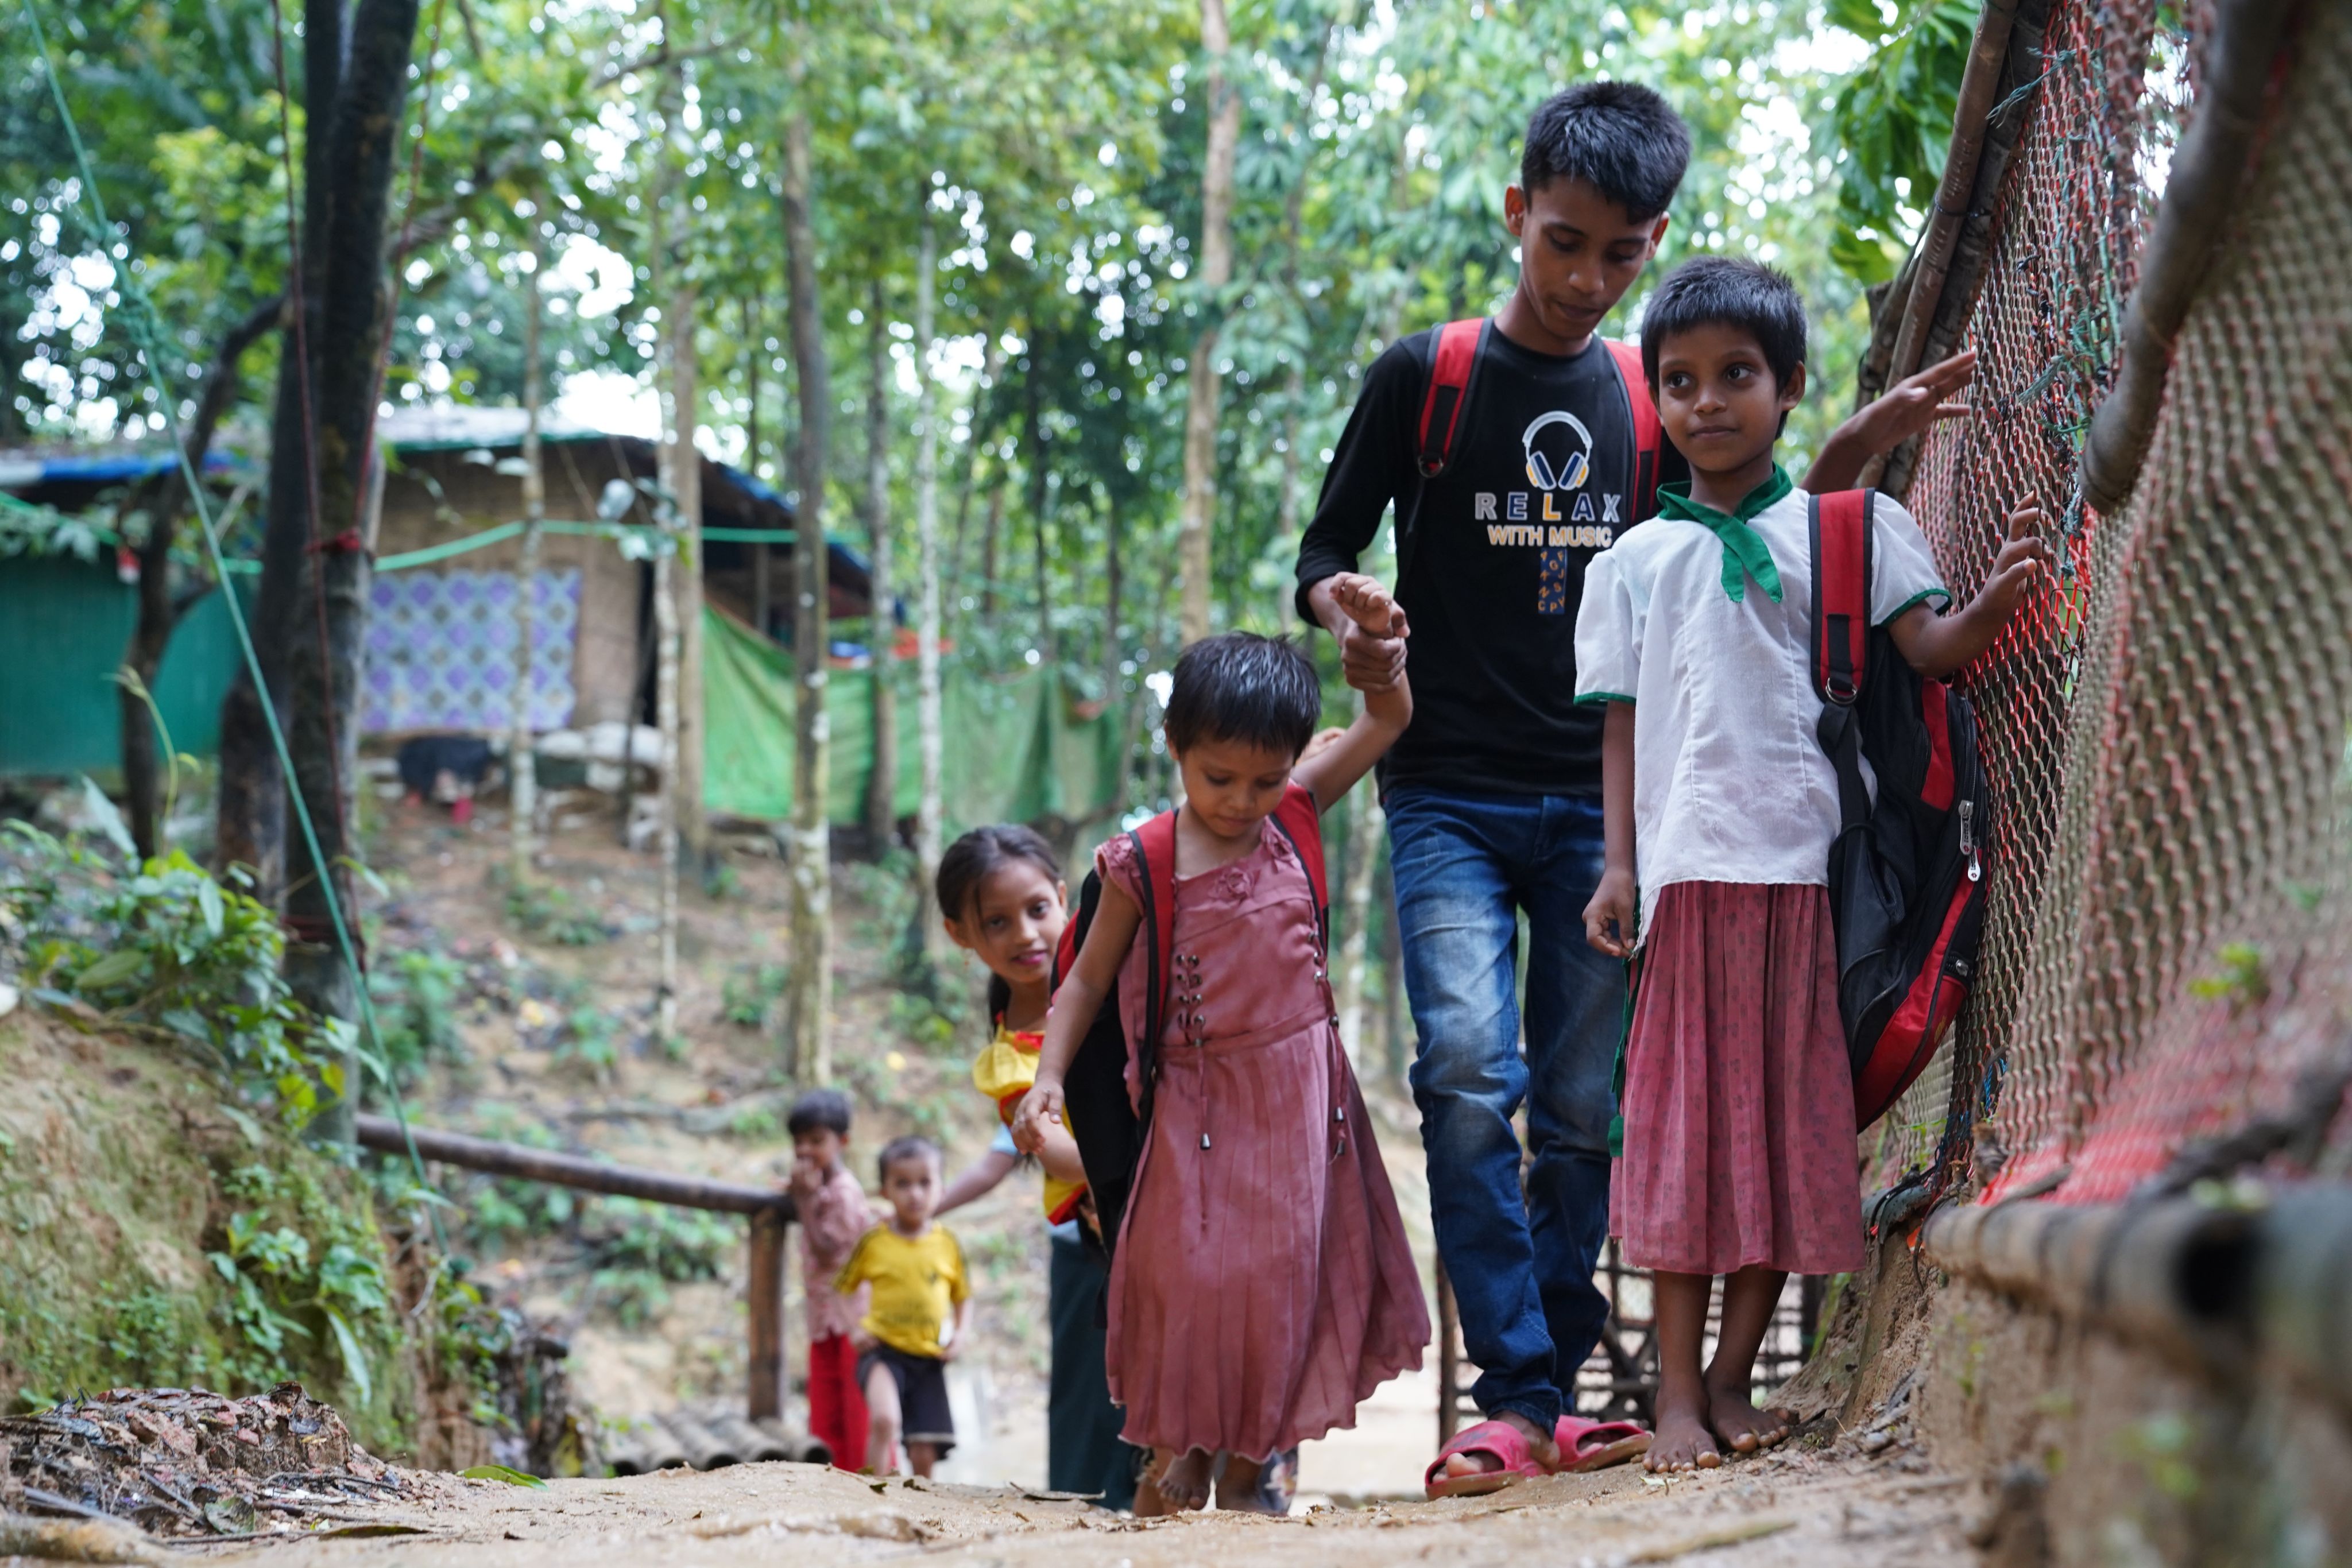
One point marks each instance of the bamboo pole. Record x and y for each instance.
(522, 769)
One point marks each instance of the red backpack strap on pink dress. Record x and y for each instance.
(1155, 854)
(1649, 434)
(1300, 822)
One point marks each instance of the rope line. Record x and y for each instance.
(141, 324)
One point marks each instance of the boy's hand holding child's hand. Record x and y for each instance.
(1040, 1105)
(1367, 605)
(1609, 918)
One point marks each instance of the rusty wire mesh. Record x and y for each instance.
(2164, 952)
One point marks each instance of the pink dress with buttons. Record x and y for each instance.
(1262, 1287)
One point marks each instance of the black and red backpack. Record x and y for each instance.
(1110, 1130)
(1907, 869)
(1457, 351)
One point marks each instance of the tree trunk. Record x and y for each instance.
(165, 500)
(930, 814)
(882, 627)
(989, 532)
(991, 365)
(1216, 270)
(810, 996)
(344, 249)
(763, 554)
(686, 582)
(1040, 489)
(522, 764)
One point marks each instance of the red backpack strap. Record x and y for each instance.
(1839, 526)
(1155, 853)
(1451, 366)
(1301, 822)
(1649, 435)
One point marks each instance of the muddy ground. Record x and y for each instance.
(1821, 1509)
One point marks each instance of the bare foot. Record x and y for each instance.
(1683, 1441)
(1184, 1479)
(1738, 1422)
(1542, 1447)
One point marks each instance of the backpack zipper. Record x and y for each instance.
(1968, 841)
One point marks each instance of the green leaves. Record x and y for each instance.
(1892, 122)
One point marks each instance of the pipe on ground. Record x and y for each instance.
(2220, 1290)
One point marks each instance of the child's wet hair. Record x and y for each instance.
(972, 858)
(1617, 136)
(1728, 291)
(1244, 689)
(913, 1146)
(819, 1110)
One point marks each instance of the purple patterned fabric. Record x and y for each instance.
(441, 651)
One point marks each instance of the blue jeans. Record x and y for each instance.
(1520, 1256)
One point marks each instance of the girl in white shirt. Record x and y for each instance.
(1720, 807)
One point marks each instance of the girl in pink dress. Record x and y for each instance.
(1261, 1286)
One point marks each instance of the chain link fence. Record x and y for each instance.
(2168, 951)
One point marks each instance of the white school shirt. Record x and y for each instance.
(1730, 783)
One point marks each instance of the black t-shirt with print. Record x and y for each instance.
(1492, 556)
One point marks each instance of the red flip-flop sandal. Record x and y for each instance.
(1596, 1445)
(1505, 1442)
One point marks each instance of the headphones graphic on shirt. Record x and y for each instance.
(1579, 466)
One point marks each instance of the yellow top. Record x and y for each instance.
(1004, 1071)
(917, 1284)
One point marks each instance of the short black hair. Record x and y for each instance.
(913, 1146)
(1616, 135)
(1240, 686)
(819, 1110)
(1726, 291)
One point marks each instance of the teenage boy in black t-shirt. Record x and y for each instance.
(1494, 793)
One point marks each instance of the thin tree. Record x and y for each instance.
(312, 610)
(522, 759)
(1216, 270)
(882, 783)
(809, 995)
(685, 487)
(930, 813)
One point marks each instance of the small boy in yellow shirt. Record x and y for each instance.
(918, 1309)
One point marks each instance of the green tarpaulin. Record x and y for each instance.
(1014, 750)
(65, 625)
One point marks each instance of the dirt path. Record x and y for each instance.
(1799, 1509)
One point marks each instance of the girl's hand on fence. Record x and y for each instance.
(2024, 558)
(1917, 403)
(1041, 1105)
(1609, 919)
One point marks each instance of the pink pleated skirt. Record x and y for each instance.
(1738, 1103)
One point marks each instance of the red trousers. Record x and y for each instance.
(837, 1405)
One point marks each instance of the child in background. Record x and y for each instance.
(1720, 807)
(915, 1321)
(1261, 1284)
(833, 1214)
(1001, 898)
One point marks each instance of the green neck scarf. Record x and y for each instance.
(1744, 555)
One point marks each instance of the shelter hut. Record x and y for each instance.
(442, 630)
